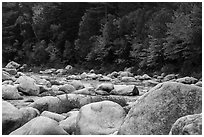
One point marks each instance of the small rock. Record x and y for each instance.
(67, 88)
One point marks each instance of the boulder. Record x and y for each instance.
(125, 90)
(199, 83)
(83, 75)
(187, 80)
(108, 87)
(155, 112)
(12, 65)
(67, 88)
(125, 74)
(6, 76)
(145, 77)
(13, 118)
(102, 92)
(52, 115)
(10, 71)
(66, 102)
(10, 92)
(77, 84)
(8, 82)
(92, 76)
(68, 67)
(128, 79)
(113, 74)
(150, 83)
(19, 74)
(100, 118)
(105, 78)
(40, 126)
(188, 125)
(27, 85)
(85, 91)
(69, 124)
(169, 77)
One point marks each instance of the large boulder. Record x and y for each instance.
(100, 118)
(125, 90)
(187, 80)
(77, 84)
(13, 118)
(12, 65)
(27, 85)
(10, 92)
(157, 110)
(52, 115)
(188, 125)
(108, 87)
(69, 124)
(40, 126)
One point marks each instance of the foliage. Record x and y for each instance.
(150, 37)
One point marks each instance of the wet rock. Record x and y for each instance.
(52, 115)
(10, 92)
(40, 126)
(188, 125)
(125, 90)
(69, 124)
(27, 85)
(157, 110)
(102, 118)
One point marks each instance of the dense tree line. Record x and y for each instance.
(150, 37)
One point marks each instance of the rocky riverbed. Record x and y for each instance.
(53, 102)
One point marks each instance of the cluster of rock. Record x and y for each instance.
(67, 105)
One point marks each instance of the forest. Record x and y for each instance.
(149, 37)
